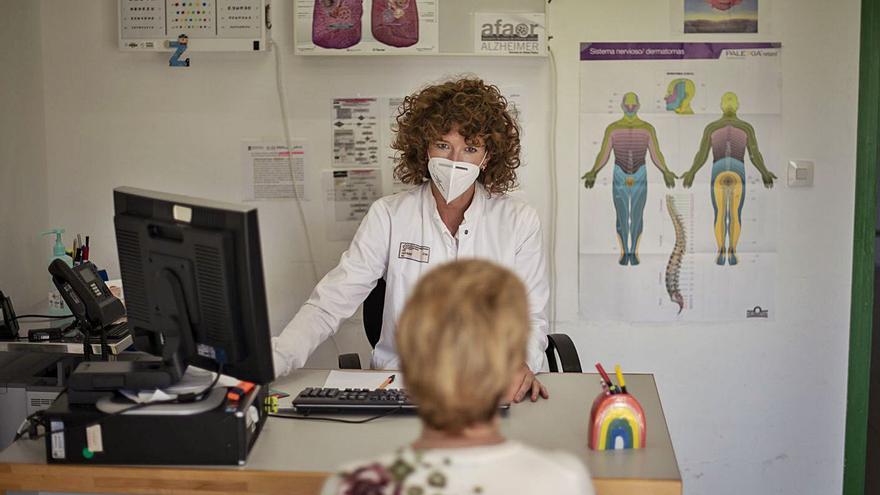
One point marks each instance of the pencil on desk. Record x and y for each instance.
(388, 381)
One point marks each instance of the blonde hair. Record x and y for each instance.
(460, 338)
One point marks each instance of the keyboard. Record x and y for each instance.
(352, 400)
(358, 400)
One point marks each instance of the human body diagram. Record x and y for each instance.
(630, 139)
(728, 138)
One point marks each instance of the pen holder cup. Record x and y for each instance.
(617, 421)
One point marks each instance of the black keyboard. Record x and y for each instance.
(357, 400)
(352, 400)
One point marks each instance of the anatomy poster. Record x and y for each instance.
(355, 27)
(679, 144)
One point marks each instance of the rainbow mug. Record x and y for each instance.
(617, 421)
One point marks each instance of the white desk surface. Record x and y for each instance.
(561, 422)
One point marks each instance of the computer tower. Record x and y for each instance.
(81, 434)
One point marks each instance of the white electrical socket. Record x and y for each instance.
(800, 173)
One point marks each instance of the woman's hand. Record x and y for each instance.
(526, 384)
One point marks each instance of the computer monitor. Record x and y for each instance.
(193, 279)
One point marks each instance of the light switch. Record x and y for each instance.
(800, 173)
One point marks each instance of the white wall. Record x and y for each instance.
(23, 200)
(120, 118)
(752, 408)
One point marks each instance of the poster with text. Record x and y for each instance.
(355, 27)
(355, 131)
(679, 152)
(267, 166)
(348, 195)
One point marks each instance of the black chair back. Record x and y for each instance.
(558, 343)
(373, 308)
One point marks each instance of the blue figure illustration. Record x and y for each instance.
(631, 139)
(180, 46)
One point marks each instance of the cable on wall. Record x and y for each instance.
(282, 101)
(554, 197)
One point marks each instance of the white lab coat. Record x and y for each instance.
(401, 238)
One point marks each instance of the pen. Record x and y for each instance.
(85, 251)
(620, 378)
(605, 377)
(388, 381)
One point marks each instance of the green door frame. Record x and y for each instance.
(861, 312)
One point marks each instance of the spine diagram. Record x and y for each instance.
(673, 267)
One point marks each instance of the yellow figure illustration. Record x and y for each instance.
(729, 138)
(679, 95)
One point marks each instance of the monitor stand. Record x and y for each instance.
(211, 400)
(92, 380)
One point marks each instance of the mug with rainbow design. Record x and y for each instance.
(617, 421)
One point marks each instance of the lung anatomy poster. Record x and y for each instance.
(679, 156)
(355, 27)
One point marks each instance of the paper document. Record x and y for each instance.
(267, 167)
(194, 380)
(349, 194)
(355, 131)
(363, 379)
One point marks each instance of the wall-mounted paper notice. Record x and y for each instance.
(355, 131)
(266, 167)
(392, 108)
(348, 196)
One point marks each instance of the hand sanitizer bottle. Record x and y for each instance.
(57, 306)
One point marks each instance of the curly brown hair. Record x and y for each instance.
(478, 111)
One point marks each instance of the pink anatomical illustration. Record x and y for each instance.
(723, 4)
(337, 23)
(395, 22)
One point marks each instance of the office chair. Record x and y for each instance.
(557, 343)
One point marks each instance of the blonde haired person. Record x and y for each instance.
(460, 337)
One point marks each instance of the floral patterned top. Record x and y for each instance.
(506, 468)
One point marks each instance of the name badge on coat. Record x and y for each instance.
(410, 251)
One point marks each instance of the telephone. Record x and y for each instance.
(8, 321)
(88, 298)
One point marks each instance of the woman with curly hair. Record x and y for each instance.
(459, 147)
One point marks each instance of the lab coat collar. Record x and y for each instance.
(471, 216)
(475, 211)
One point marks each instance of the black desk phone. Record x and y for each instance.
(8, 320)
(87, 296)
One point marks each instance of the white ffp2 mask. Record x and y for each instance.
(452, 178)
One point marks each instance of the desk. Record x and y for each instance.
(64, 346)
(294, 457)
